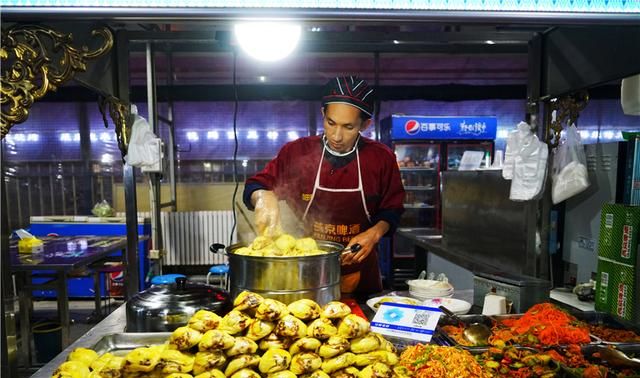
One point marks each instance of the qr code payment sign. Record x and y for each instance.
(406, 321)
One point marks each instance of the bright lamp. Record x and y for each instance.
(268, 41)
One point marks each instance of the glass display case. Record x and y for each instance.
(419, 165)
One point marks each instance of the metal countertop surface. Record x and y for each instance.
(114, 323)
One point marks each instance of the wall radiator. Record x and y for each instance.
(188, 235)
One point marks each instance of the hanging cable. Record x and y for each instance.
(235, 147)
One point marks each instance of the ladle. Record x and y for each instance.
(616, 357)
(476, 333)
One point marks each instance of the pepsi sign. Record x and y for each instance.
(443, 128)
(412, 127)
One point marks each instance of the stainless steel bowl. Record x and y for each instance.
(289, 278)
(163, 308)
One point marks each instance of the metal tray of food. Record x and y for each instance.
(596, 319)
(446, 339)
(120, 344)
(441, 337)
(590, 354)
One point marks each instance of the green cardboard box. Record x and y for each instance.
(617, 289)
(619, 233)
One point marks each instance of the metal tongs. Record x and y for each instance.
(616, 357)
(353, 249)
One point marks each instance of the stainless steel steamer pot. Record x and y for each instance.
(163, 308)
(289, 278)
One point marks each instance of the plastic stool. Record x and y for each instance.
(166, 279)
(222, 274)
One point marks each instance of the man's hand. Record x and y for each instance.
(267, 213)
(367, 241)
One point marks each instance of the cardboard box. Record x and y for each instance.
(617, 290)
(619, 233)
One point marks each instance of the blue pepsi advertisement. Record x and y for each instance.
(404, 127)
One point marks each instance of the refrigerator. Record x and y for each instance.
(424, 147)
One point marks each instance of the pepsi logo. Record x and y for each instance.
(412, 127)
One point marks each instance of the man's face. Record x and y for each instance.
(342, 125)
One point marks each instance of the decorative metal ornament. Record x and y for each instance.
(36, 60)
(120, 113)
(567, 110)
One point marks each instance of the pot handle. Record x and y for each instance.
(181, 282)
(216, 247)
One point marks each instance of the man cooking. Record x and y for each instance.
(344, 187)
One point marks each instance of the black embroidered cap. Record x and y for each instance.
(349, 90)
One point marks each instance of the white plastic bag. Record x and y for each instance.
(513, 141)
(525, 164)
(143, 148)
(569, 175)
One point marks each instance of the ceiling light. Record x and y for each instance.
(395, 42)
(292, 135)
(273, 135)
(268, 41)
(584, 134)
(20, 137)
(106, 159)
(33, 137)
(490, 42)
(76, 137)
(262, 78)
(213, 135)
(608, 134)
(252, 134)
(245, 163)
(93, 137)
(231, 135)
(65, 137)
(594, 135)
(192, 136)
(105, 137)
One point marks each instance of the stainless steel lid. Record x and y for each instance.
(183, 294)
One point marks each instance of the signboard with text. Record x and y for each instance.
(443, 128)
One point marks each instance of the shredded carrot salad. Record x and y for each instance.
(543, 324)
(431, 361)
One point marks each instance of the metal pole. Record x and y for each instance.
(18, 202)
(82, 184)
(154, 178)
(172, 131)
(132, 272)
(9, 349)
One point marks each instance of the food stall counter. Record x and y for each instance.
(114, 323)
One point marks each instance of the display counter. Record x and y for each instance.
(425, 242)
